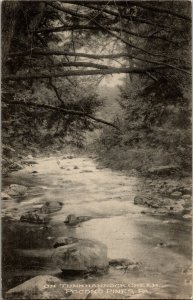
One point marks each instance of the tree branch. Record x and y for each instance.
(56, 91)
(113, 28)
(84, 16)
(161, 10)
(61, 110)
(112, 13)
(80, 54)
(73, 64)
(97, 56)
(82, 73)
(127, 43)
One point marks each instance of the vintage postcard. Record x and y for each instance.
(96, 149)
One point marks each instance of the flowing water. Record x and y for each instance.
(107, 197)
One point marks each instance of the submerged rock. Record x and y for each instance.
(39, 287)
(16, 190)
(82, 255)
(34, 217)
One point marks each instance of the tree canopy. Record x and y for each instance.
(58, 47)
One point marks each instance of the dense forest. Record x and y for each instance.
(56, 53)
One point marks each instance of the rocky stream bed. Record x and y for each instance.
(72, 230)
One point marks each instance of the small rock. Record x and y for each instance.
(161, 245)
(186, 197)
(121, 262)
(99, 168)
(187, 216)
(176, 195)
(16, 190)
(30, 157)
(162, 170)
(133, 172)
(30, 162)
(74, 220)
(75, 167)
(33, 217)
(138, 200)
(143, 200)
(187, 190)
(15, 167)
(70, 156)
(5, 196)
(71, 220)
(34, 172)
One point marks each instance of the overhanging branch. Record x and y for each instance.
(95, 28)
(109, 12)
(61, 110)
(83, 73)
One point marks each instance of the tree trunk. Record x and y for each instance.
(9, 11)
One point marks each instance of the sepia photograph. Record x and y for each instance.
(96, 149)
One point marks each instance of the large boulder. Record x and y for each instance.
(39, 287)
(51, 207)
(82, 255)
(34, 217)
(16, 190)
